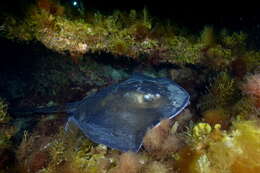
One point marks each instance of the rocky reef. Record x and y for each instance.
(77, 55)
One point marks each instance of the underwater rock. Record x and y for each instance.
(181, 74)
(119, 116)
(6, 157)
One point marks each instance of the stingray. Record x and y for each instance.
(119, 115)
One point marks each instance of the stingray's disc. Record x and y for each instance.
(119, 116)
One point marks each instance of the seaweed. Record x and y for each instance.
(4, 117)
(221, 135)
(222, 92)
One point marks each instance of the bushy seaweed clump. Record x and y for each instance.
(72, 152)
(222, 92)
(220, 151)
(161, 142)
(134, 34)
(6, 131)
(64, 151)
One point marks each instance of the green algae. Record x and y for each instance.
(133, 34)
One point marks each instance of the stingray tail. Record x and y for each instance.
(66, 108)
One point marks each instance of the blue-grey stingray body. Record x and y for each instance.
(119, 116)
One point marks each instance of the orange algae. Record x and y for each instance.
(249, 142)
(241, 166)
(186, 161)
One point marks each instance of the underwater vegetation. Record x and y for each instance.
(134, 34)
(162, 141)
(214, 150)
(203, 148)
(4, 117)
(7, 131)
(218, 133)
(252, 88)
(224, 138)
(222, 92)
(218, 142)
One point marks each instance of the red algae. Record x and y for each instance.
(252, 88)
(160, 142)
